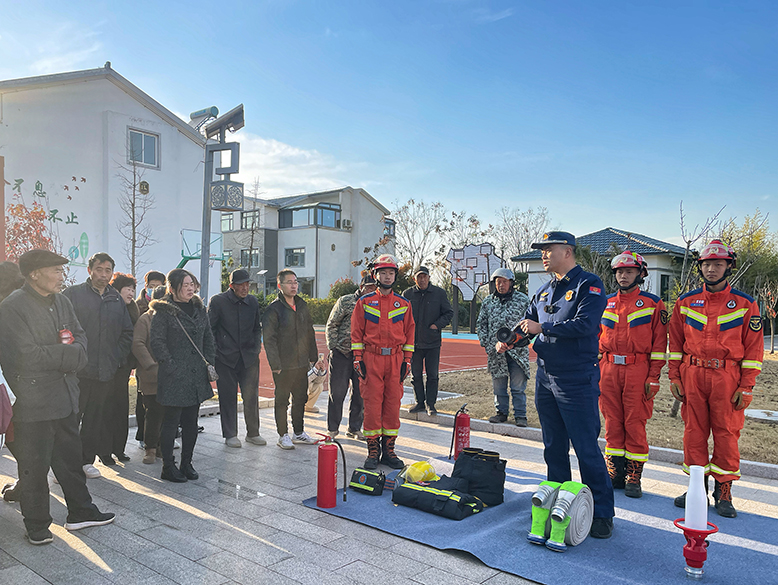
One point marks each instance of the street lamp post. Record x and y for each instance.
(262, 273)
(223, 195)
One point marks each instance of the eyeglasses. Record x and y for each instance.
(290, 282)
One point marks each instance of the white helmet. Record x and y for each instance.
(506, 273)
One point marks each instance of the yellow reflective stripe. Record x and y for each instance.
(675, 356)
(719, 471)
(408, 348)
(658, 356)
(731, 316)
(357, 346)
(705, 468)
(390, 432)
(614, 452)
(372, 310)
(752, 364)
(637, 456)
(610, 316)
(641, 313)
(421, 488)
(394, 313)
(371, 433)
(688, 311)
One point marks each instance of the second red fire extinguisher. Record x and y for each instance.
(461, 437)
(327, 480)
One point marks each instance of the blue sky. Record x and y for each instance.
(607, 113)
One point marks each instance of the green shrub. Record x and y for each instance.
(320, 309)
(342, 286)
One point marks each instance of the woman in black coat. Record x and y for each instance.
(182, 382)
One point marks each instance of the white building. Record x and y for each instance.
(70, 137)
(663, 259)
(317, 235)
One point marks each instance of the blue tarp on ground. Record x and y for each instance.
(645, 548)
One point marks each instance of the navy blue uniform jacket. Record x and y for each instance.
(569, 311)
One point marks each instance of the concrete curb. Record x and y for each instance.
(213, 409)
(752, 468)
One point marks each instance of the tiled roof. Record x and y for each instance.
(601, 242)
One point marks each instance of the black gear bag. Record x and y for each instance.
(485, 473)
(446, 503)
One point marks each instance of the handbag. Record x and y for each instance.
(212, 374)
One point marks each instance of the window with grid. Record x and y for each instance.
(249, 255)
(294, 257)
(249, 220)
(228, 222)
(144, 148)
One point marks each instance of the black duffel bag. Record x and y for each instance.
(446, 503)
(485, 473)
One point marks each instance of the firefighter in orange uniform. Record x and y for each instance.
(382, 335)
(716, 348)
(633, 340)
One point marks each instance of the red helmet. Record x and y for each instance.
(629, 259)
(384, 261)
(718, 250)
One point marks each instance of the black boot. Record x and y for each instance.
(680, 501)
(187, 469)
(722, 496)
(616, 470)
(171, 473)
(634, 472)
(389, 457)
(373, 452)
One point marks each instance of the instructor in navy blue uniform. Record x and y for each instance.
(565, 315)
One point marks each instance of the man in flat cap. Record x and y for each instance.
(237, 330)
(565, 316)
(44, 347)
(431, 312)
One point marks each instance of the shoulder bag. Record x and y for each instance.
(212, 375)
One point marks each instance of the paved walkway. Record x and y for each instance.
(243, 521)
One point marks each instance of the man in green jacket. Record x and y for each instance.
(290, 346)
(43, 348)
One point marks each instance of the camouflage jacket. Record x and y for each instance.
(496, 313)
(339, 324)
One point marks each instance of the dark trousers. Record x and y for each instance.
(117, 413)
(53, 444)
(154, 414)
(292, 383)
(247, 377)
(173, 416)
(91, 406)
(140, 417)
(426, 359)
(341, 372)
(569, 412)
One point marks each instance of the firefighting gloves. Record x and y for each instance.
(652, 387)
(562, 515)
(405, 368)
(742, 398)
(360, 369)
(677, 390)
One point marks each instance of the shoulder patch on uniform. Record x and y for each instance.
(649, 295)
(755, 324)
(595, 290)
(740, 293)
(696, 291)
(664, 316)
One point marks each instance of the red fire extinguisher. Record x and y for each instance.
(327, 481)
(461, 437)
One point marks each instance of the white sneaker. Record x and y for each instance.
(285, 442)
(303, 439)
(176, 444)
(91, 471)
(233, 442)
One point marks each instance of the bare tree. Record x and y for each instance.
(767, 293)
(690, 238)
(135, 202)
(751, 240)
(419, 230)
(516, 230)
(250, 233)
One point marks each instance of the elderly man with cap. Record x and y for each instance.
(431, 312)
(565, 316)
(338, 332)
(237, 331)
(44, 347)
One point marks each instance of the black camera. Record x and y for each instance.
(514, 337)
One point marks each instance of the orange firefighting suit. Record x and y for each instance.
(382, 333)
(633, 340)
(716, 346)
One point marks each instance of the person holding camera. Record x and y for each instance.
(508, 366)
(565, 316)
